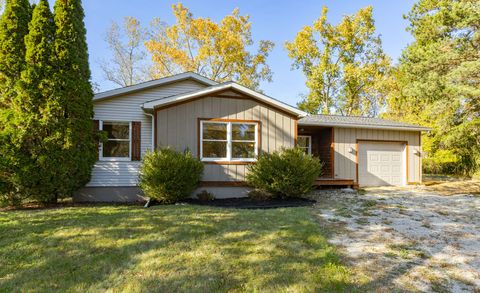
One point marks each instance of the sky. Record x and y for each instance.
(277, 21)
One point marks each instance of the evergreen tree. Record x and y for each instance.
(13, 29)
(33, 121)
(439, 83)
(73, 96)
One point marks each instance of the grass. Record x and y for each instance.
(457, 186)
(167, 248)
(343, 212)
(408, 250)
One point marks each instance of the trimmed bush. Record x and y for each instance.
(290, 173)
(168, 176)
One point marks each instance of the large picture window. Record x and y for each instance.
(228, 141)
(117, 146)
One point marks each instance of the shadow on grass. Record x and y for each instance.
(166, 248)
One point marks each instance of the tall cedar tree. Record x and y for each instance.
(13, 28)
(33, 141)
(73, 93)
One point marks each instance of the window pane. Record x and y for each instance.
(214, 149)
(117, 149)
(243, 150)
(117, 130)
(243, 131)
(215, 131)
(303, 141)
(305, 150)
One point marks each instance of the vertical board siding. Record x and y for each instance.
(276, 129)
(346, 138)
(128, 108)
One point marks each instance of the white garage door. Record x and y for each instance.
(381, 163)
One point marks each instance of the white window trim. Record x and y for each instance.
(117, 159)
(229, 141)
(309, 148)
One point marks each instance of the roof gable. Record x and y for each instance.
(228, 86)
(154, 83)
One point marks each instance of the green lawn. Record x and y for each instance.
(166, 248)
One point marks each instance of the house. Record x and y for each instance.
(227, 125)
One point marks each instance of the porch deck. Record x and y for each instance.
(334, 182)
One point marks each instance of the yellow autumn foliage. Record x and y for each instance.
(219, 51)
(346, 69)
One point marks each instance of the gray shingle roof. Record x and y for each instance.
(357, 122)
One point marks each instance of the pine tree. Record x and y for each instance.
(439, 83)
(73, 93)
(13, 29)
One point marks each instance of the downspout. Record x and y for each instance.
(153, 130)
(150, 202)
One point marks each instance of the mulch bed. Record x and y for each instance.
(69, 204)
(237, 203)
(249, 203)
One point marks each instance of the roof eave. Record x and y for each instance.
(152, 84)
(383, 127)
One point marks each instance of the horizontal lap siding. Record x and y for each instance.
(177, 127)
(346, 138)
(128, 108)
(115, 174)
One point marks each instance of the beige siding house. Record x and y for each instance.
(227, 126)
(178, 127)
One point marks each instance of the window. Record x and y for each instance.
(214, 140)
(117, 146)
(304, 142)
(228, 141)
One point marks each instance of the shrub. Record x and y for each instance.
(441, 162)
(260, 194)
(168, 176)
(205, 196)
(289, 173)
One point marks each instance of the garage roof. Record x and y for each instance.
(357, 122)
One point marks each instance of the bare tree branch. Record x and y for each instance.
(128, 61)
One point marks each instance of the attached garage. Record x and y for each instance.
(367, 151)
(382, 163)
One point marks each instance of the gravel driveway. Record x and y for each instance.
(406, 239)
